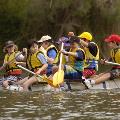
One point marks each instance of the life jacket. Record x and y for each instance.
(33, 63)
(76, 64)
(115, 55)
(91, 61)
(57, 56)
(12, 68)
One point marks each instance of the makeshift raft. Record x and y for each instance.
(78, 85)
(72, 85)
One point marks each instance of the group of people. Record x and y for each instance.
(79, 62)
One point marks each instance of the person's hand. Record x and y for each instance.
(64, 52)
(38, 72)
(102, 61)
(25, 51)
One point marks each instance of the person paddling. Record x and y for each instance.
(12, 58)
(92, 54)
(50, 52)
(113, 42)
(36, 62)
(76, 59)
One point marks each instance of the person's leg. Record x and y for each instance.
(20, 82)
(5, 83)
(29, 82)
(97, 76)
(102, 78)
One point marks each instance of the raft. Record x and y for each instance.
(72, 86)
(78, 85)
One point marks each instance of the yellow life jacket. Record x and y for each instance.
(76, 64)
(57, 56)
(91, 61)
(115, 55)
(33, 62)
(12, 67)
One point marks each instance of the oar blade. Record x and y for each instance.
(58, 78)
(50, 82)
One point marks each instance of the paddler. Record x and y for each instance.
(50, 52)
(36, 62)
(76, 57)
(92, 54)
(11, 59)
(113, 42)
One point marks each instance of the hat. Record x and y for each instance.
(113, 38)
(86, 35)
(65, 40)
(31, 42)
(74, 39)
(9, 44)
(44, 38)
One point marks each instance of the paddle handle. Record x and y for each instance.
(112, 63)
(27, 70)
(61, 55)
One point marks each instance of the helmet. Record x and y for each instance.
(86, 35)
(9, 43)
(45, 38)
(113, 38)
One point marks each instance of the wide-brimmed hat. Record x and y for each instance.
(9, 44)
(44, 38)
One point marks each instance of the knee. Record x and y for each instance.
(5, 83)
(54, 69)
(114, 74)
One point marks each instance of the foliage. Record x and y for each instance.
(21, 20)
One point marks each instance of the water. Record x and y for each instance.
(77, 105)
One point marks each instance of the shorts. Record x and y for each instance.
(87, 73)
(114, 73)
(71, 73)
(12, 78)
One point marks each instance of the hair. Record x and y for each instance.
(31, 42)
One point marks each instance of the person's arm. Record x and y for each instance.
(42, 58)
(69, 53)
(82, 42)
(79, 54)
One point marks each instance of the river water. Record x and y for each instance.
(76, 105)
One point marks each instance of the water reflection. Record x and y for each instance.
(83, 105)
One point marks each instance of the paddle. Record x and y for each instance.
(2, 67)
(58, 77)
(112, 63)
(50, 82)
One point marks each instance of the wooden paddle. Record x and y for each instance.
(58, 77)
(50, 82)
(2, 67)
(112, 63)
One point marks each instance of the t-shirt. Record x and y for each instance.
(52, 53)
(80, 55)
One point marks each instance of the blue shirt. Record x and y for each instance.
(52, 53)
(42, 58)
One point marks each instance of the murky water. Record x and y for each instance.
(77, 105)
